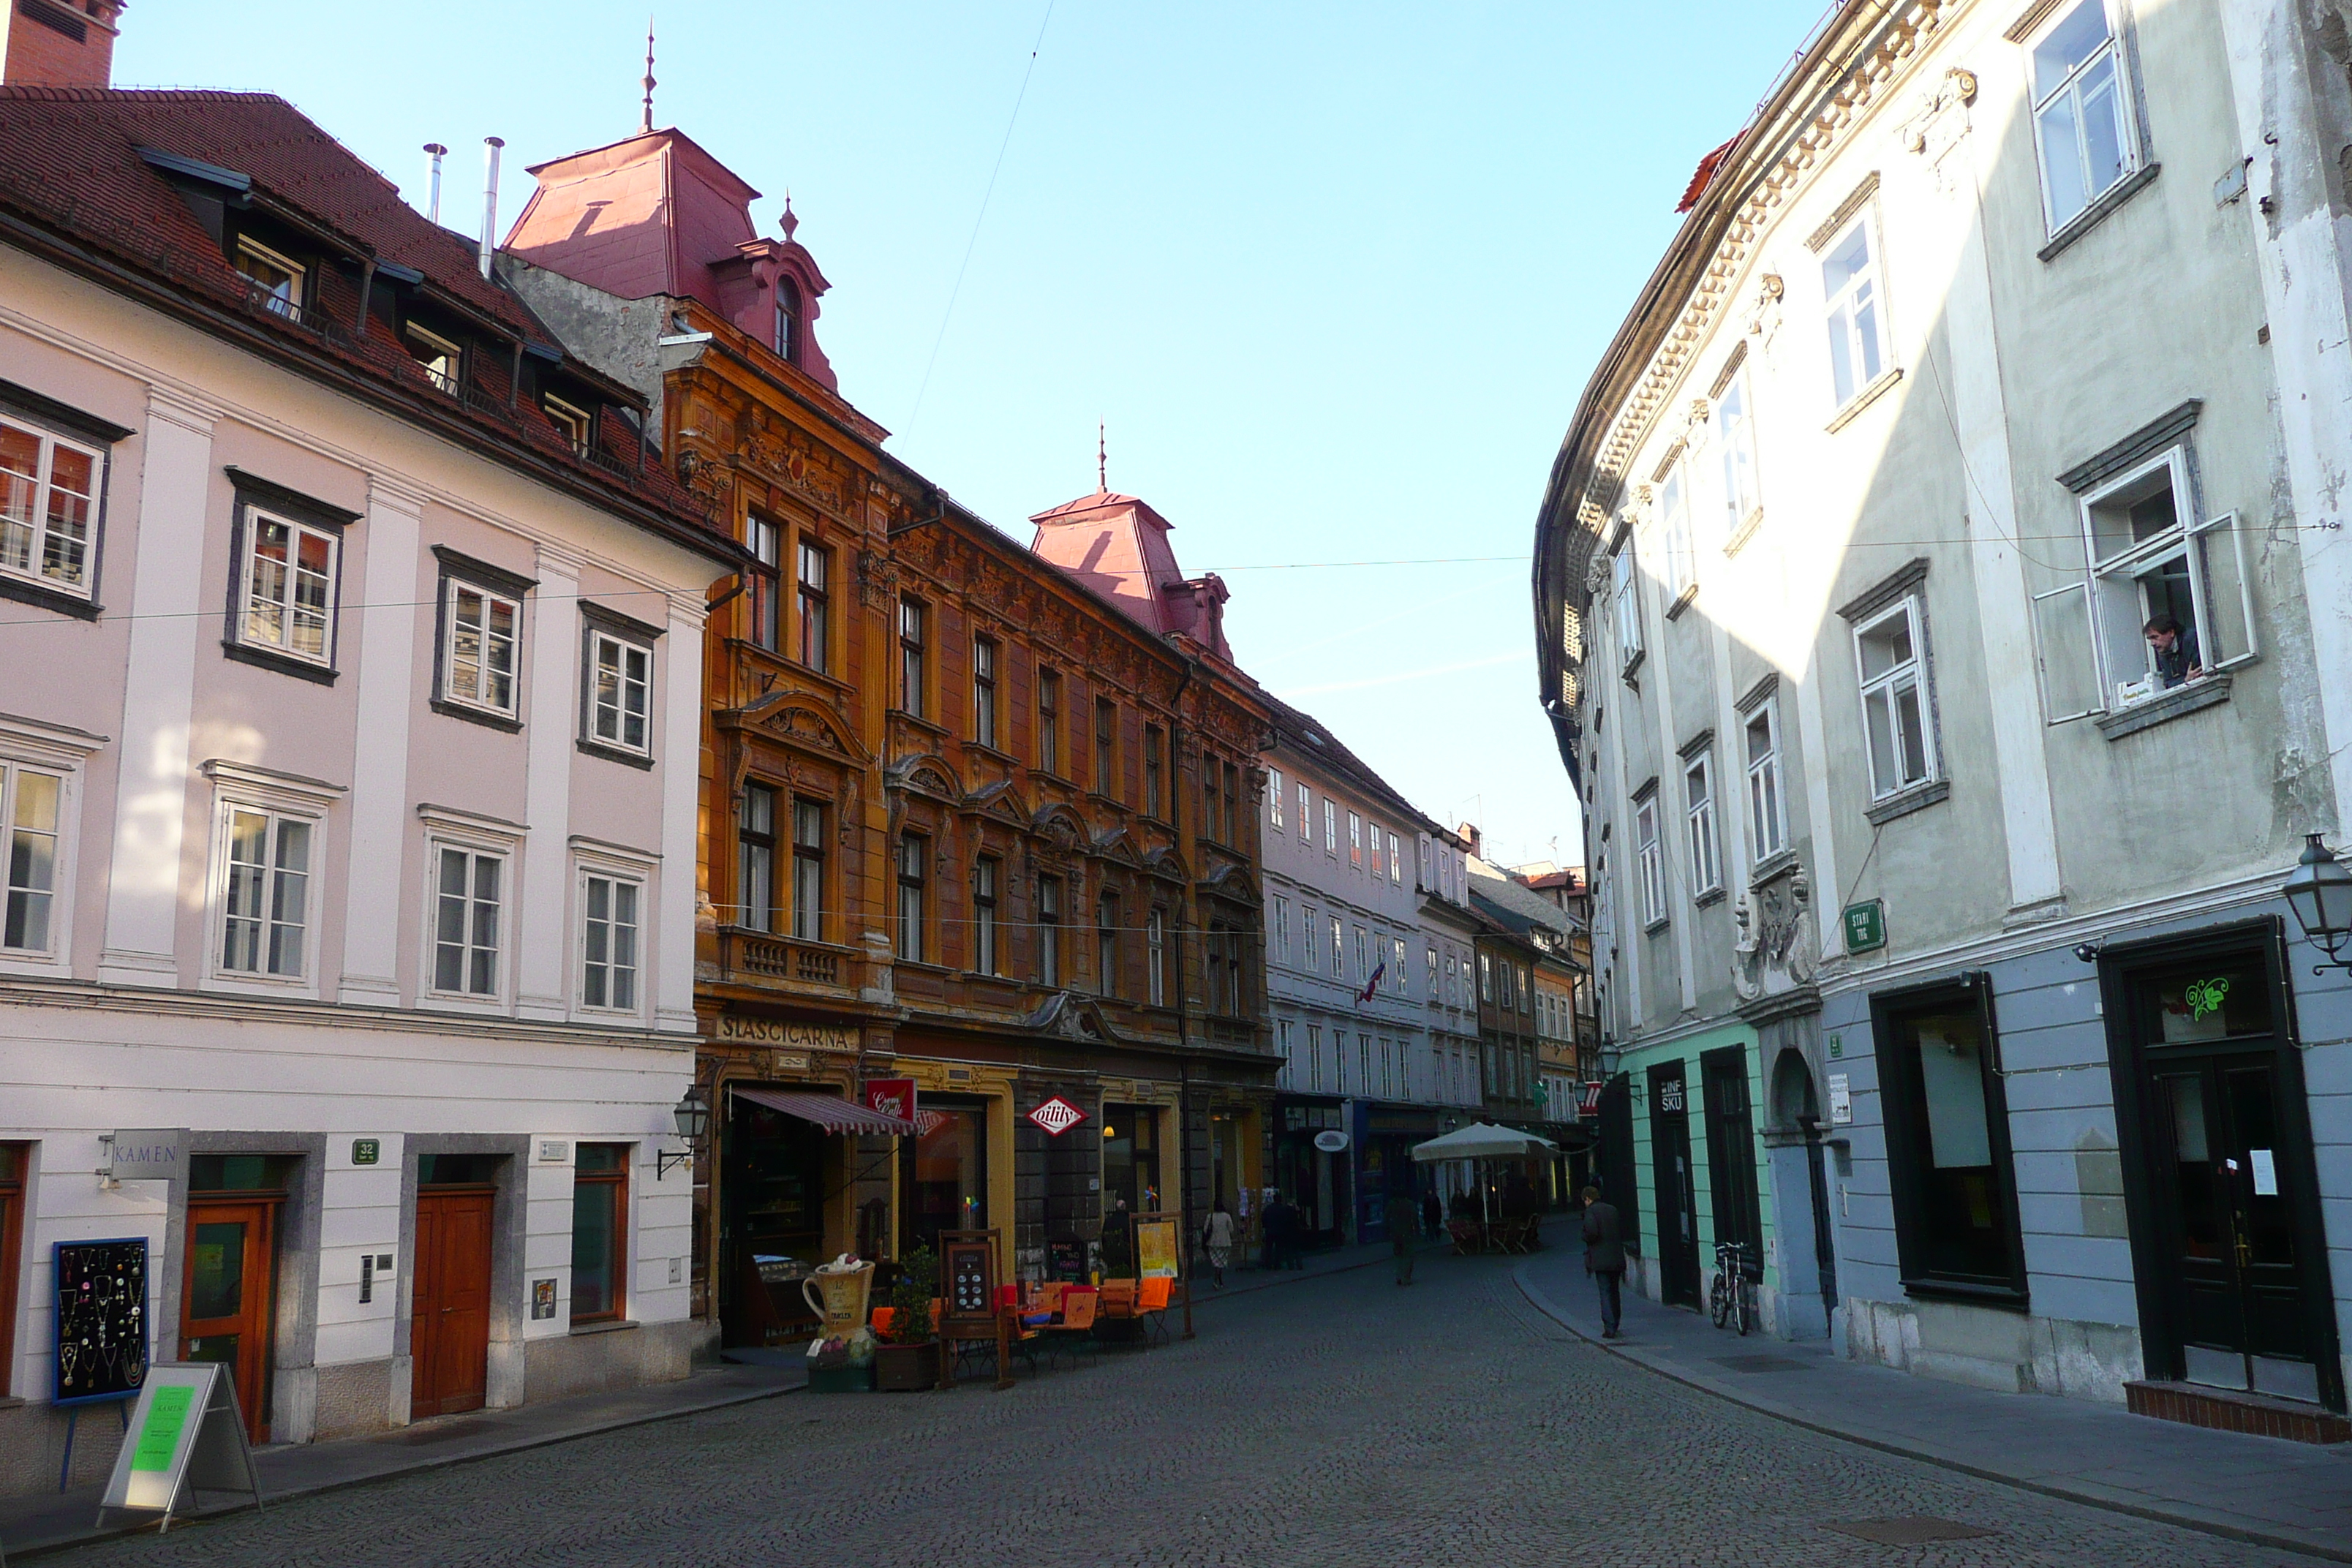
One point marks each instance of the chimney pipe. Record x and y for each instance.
(490, 203)
(433, 180)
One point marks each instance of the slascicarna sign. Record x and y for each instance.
(1057, 1115)
(149, 1154)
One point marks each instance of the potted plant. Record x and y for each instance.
(907, 1358)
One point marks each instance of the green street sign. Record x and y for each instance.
(1865, 926)
(366, 1150)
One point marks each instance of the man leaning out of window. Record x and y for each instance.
(2173, 646)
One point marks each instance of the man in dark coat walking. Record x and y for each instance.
(1605, 1257)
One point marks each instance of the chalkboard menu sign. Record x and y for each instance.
(101, 1320)
(1069, 1258)
(968, 1266)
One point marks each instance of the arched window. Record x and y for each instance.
(788, 319)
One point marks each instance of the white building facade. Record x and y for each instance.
(1939, 583)
(349, 770)
(1344, 947)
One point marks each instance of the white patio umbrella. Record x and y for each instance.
(1484, 1141)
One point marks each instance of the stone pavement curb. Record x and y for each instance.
(515, 1439)
(2185, 1515)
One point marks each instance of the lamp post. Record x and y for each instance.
(2319, 891)
(691, 1115)
(1612, 1054)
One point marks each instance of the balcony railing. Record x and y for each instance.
(759, 957)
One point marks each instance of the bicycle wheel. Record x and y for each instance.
(1747, 1308)
(1718, 1301)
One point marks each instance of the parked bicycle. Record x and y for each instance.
(1731, 1296)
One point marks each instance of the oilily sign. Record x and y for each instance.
(1057, 1115)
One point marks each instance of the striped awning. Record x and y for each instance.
(829, 1111)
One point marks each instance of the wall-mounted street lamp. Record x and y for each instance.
(2319, 891)
(692, 1116)
(1612, 1053)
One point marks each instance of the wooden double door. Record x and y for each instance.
(449, 1304)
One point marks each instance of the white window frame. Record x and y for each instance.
(614, 875)
(42, 484)
(470, 833)
(290, 303)
(281, 797)
(1155, 948)
(1355, 841)
(1306, 813)
(1735, 445)
(1396, 866)
(27, 745)
(248, 546)
(593, 706)
(1396, 966)
(1699, 814)
(1675, 532)
(1338, 948)
(446, 349)
(1282, 929)
(2101, 614)
(1651, 853)
(1282, 1044)
(453, 585)
(1843, 307)
(2068, 93)
(1887, 688)
(1768, 784)
(1626, 604)
(1273, 797)
(573, 423)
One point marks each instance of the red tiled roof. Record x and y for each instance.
(71, 162)
(1704, 175)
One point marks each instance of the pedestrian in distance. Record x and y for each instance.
(1433, 1212)
(1404, 1233)
(1605, 1257)
(1217, 1241)
(1270, 1233)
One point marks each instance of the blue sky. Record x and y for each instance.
(1333, 275)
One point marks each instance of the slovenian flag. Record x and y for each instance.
(1371, 987)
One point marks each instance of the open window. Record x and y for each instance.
(2166, 599)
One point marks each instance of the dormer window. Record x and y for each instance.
(442, 359)
(274, 281)
(788, 319)
(572, 421)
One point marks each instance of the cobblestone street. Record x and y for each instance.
(1338, 1420)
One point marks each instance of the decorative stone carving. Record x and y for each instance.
(1777, 950)
(1939, 126)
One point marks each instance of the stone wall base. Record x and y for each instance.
(2012, 1352)
(614, 1359)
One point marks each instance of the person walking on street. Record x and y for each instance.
(1605, 1257)
(1404, 1233)
(1433, 1212)
(1269, 1231)
(1217, 1241)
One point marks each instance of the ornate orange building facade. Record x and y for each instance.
(967, 818)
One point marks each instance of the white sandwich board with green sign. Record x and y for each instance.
(185, 1436)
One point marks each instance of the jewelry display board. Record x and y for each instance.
(101, 1320)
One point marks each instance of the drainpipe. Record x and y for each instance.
(490, 145)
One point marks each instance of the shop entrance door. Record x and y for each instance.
(944, 1173)
(1731, 1153)
(449, 1308)
(2229, 1243)
(228, 1297)
(2225, 1226)
(1678, 1273)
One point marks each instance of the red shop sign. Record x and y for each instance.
(891, 1097)
(1057, 1115)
